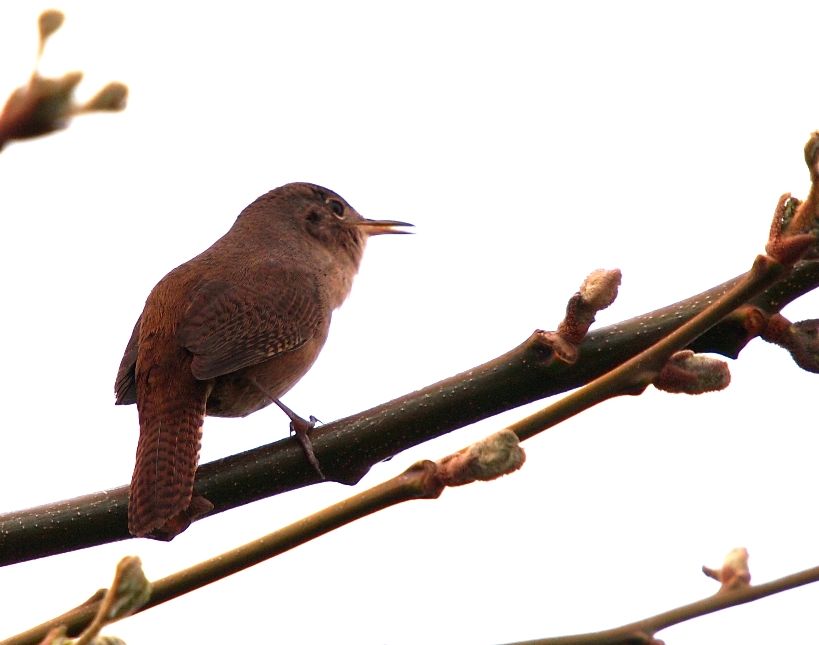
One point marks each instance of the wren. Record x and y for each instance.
(231, 331)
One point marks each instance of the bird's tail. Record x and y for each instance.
(170, 430)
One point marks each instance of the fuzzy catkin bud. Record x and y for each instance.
(496, 455)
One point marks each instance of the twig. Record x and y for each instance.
(348, 447)
(417, 482)
(45, 105)
(426, 480)
(633, 376)
(642, 630)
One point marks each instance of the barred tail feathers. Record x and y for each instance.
(170, 431)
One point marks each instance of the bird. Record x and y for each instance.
(229, 332)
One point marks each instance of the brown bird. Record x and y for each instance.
(229, 332)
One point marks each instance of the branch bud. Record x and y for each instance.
(49, 22)
(110, 98)
(690, 373)
(496, 455)
(734, 573)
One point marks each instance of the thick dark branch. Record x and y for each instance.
(349, 447)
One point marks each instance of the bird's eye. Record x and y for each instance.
(337, 207)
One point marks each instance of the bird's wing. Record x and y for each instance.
(230, 326)
(125, 385)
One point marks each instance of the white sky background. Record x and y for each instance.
(530, 143)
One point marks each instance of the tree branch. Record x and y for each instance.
(45, 105)
(642, 631)
(349, 447)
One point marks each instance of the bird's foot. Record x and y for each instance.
(301, 428)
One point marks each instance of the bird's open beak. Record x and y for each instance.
(381, 226)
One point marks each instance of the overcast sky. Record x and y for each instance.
(530, 143)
